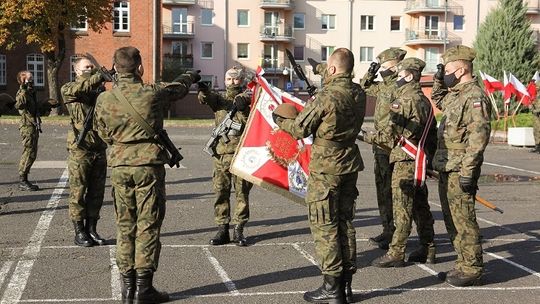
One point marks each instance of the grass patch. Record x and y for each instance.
(65, 120)
(520, 120)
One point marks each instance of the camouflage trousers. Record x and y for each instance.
(223, 181)
(139, 201)
(410, 203)
(383, 185)
(87, 174)
(29, 137)
(536, 128)
(460, 221)
(331, 208)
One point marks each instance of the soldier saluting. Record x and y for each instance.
(462, 138)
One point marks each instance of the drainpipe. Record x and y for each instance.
(477, 15)
(351, 25)
(445, 25)
(154, 38)
(226, 40)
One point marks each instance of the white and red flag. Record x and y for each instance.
(508, 91)
(531, 88)
(491, 84)
(269, 157)
(519, 88)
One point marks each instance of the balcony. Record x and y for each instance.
(277, 4)
(428, 37)
(178, 60)
(272, 65)
(276, 33)
(179, 2)
(179, 31)
(533, 7)
(431, 6)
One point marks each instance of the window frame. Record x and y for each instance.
(211, 17)
(328, 23)
(238, 51)
(462, 23)
(238, 18)
(303, 53)
(202, 49)
(303, 21)
(368, 58)
(121, 10)
(367, 29)
(81, 29)
(391, 20)
(38, 82)
(327, 48)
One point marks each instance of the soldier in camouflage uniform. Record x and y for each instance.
(30, 125)
(138, 174)
(462, 138)
(87, 162)
(222, 178)
(334, 166)
(535, 109)
(408, 118)
(387, 60)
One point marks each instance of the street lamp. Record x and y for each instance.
(289, 72)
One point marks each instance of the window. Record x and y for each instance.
(3, 68)
(395, 23)
(207, 16)
(36, 64)
(366, 54)
(299, 53)
(367, 23)
(243, 18)
(179, 48)
(328, 22)
(121, 16)
(179, 21)
(72, 74)
(242, 50)
(299, 21)
(432, 26)
(81, 25)
(207, 50)
(431, 59)
(458, 22)
(326, 51)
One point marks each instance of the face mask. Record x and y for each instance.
(386, 73)
(450, 80)
(401, 82)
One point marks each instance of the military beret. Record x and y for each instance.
(412, 64)
(286, 110)
(459, 52)
(391, 54)
(235, 72)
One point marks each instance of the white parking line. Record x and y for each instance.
(6, 267)
(20, 276)
(116, 288)
(534, 273)
(513, 168)
(305, 254)
(221, 272)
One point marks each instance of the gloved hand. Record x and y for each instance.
(194, 75)
(313, 64)
(439, 75)
(107, 75)
(467, 185)
(373, 68)
(203, 86)
(361, 136)
(241, 102)
(277, 119)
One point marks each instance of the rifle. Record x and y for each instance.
(107, 75)
(221, 130)
(300, 73)
(173, 156)
(88, 120)
(37, 119)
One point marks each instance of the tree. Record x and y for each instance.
(506, 42)
(46, 24)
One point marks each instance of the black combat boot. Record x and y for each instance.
(536, 149)
(460, 279)
(25, 185)
(81, 238)
(423, 254)
(347, 286)
(91, 224)
(222, 236)
(388, 261)
(382, 241)
(238, 235)
(145, 292)
(128, 287)
(330, 292)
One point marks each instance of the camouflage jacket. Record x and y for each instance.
(409, 112)
(221, 104)
(383, 91)
(535, 106)
(334, 118)
(79, 97)
(28, 106)
(130, 144)
(464, 129)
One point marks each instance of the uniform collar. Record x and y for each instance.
(129, 77)
(460, 87)
(338, 78)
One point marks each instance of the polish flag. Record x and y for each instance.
(520, 89)
(509, 89)
(491, 84)
(531, 88)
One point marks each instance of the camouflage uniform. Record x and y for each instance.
(334, 166)
(222, 178)
(408, 118)
(462, 138)
(138, 174)
(29, 109)
(87, 163)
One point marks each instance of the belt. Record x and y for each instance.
(333, 144)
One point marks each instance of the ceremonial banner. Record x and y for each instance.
(269, 157)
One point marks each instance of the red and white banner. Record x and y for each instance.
(491, 84)
(267, 156)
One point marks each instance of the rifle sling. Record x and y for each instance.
(131, 110)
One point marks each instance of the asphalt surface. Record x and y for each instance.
(40, 264)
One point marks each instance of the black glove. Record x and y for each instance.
(277, 119)
(194, 75)
(467, 185)
(107, 75)
(204, 86)
(373, 68)
(313, 64)
(439, 75)
(241, 102)
(361, 136)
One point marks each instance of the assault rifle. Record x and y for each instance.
(222, 130)
(88, 120)
(173, 154)
(300, 73)
(37, 118)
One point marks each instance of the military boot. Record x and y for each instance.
(145, 292)
(238, 235)
(330, 292)
(91, 224)
(347, 286)
(388, 261)
(382, 241)
(536, 149)
(461, 279)
(128, 287)
(222, 236)
(25, 185)
(81, 238)
(422, 254)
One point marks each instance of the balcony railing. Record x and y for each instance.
(431, 6)
(178, 60)
(179, 2)
(272, 65)
(429, 36)
(182, 30)
(276, 4)
(276, 33)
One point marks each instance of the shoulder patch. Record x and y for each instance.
(477, 104)
(395, 105)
